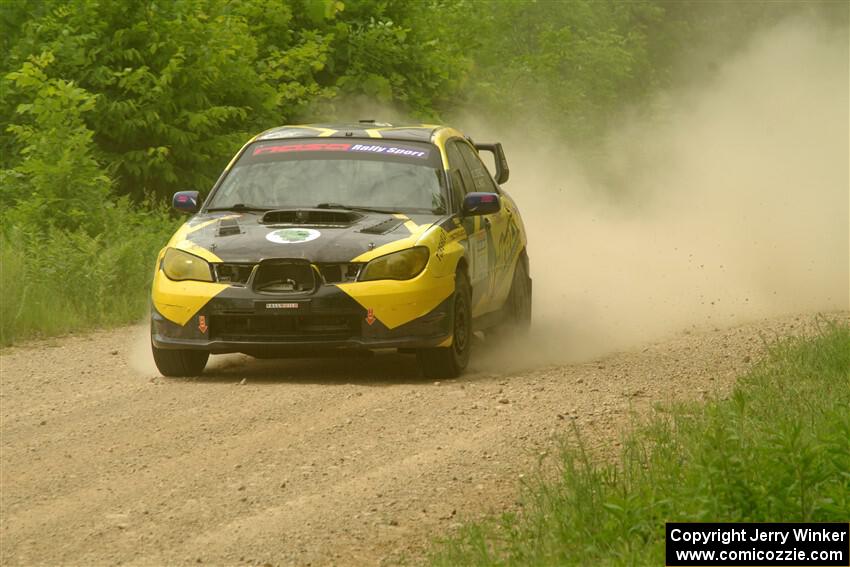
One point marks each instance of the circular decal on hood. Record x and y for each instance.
(293, 235)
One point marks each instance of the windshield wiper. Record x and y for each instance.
(353, 208)
(238, 207)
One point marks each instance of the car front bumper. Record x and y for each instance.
(238, 319)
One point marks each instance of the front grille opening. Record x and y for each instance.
(234, 274)
(311, 217)
(339, 273)
(285, 277)
(286, 280)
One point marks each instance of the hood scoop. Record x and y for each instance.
(383, 227)
(228, 227)
(311, 217)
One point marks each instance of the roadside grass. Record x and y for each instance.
(70, 281)
(777, 449)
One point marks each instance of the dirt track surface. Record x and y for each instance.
(353, 461)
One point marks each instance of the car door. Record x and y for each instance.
(477, 245)
(496, 227)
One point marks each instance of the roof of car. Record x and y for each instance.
(363, 129)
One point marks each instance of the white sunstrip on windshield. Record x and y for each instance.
(342, 147)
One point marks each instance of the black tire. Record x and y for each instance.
(449, 362)
(518, 305)
(177, 363)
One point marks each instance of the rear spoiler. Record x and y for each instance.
(502, 170)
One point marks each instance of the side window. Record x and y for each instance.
(462, 182)
(480, 176)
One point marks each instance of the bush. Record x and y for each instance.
(180, 86)
(71, 254)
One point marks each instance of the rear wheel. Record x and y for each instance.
(518, 305)
(449, 362)
(519, 301)
(179, 362)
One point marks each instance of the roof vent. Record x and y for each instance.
(311, 217)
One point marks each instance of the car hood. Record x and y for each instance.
(317, 235)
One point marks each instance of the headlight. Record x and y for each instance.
(401, 265)
(179, 265)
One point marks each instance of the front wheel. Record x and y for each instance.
(449, 362)
(176, 363)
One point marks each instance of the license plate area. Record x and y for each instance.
(281, 307)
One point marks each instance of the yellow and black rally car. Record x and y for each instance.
(341, 236)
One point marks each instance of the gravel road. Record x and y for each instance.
(348, 461)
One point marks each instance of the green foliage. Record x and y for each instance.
(174, 85)
(778, 449)
(179, 86)
(57, 182)
(71, 254)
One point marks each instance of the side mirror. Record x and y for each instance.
(502, 170)
(186, 202)
(481, 204)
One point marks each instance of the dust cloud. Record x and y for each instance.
(140, 359)
(733, 208)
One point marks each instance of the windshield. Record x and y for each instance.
(386, 175)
